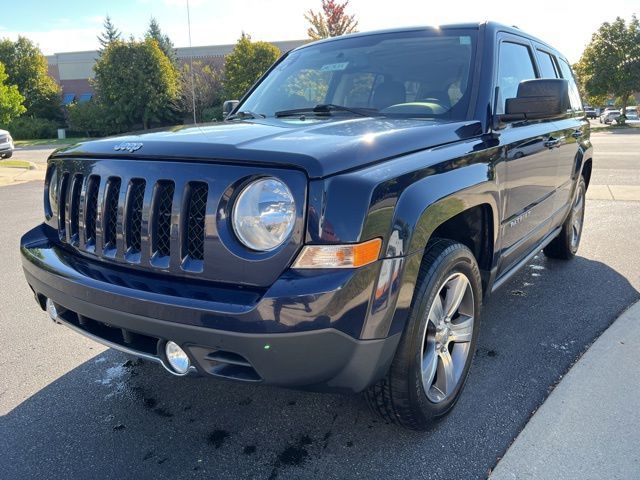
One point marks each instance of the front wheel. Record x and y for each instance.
(566, 244)
(433, 358)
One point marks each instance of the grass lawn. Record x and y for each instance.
(17, 164)
(48, 141)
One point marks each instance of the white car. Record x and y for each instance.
(609, 116)
(6, 144)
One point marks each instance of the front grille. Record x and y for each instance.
(91, 210)
(134, 216)
(163, 205)
(62, 202)
(74, 209)
(111, 213)
(196, 212)
(95, 214)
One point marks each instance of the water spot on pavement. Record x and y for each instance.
(245, 401)
(118, 427)
(217, 438)
(326, 438)
(162, 460)
(291, 403)
(249, 449)
(492, 353)
(293, 455)
(162, 412)
(148, 455)
(349, 444)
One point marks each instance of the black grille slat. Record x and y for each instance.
(111, 213)
(62, 206)
(74, 209)
(161, 235)
(196, 213)
(91, 210)
(134, 215)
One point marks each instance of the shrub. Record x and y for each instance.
(90, 119)
(27, 128)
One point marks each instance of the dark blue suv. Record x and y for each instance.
(339, 230)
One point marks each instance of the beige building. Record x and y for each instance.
(72, 70)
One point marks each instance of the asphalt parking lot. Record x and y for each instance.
(69, 408)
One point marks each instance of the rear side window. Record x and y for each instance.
(547, 65)
(574, 95)
(514, 66)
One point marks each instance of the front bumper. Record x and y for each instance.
(296, 334)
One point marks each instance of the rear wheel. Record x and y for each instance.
(566, 244)
(434, 355)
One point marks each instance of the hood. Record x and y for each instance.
(319, 147)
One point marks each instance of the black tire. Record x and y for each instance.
(7, 155)
(566, 244)
(400, 396)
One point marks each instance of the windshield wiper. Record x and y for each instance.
(245, 114)
(327, 108)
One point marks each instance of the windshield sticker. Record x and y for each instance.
(332, 67)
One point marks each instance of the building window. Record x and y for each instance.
(85, 97)
(68, 98)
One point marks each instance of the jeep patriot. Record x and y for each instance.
(339, 230)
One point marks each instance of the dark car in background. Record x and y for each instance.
(340, 230)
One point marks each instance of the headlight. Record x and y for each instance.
(51, 193)
(264, 214)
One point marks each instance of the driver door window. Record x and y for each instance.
(514, 66)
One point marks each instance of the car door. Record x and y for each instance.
(531, 159)
(575, 127)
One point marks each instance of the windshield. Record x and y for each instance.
(425, 73)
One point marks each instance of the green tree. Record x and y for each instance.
(136, 82)
(332, 21)
(109, 35)
(166, 45)
(11, 102)
(27, 68)
(610, 64)
(207, 87)
(246, 64)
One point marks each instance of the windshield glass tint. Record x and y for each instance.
(409, 74)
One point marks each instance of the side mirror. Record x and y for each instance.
(229, 106)
(543, 98)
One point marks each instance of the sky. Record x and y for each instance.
(72, 25)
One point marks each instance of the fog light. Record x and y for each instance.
(52, 310)
(177, 358)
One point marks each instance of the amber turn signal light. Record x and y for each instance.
(339, 256)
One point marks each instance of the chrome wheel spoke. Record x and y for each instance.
(462, 330)
(446, 380)
(429, 367)
(456, 290)
(436, 315)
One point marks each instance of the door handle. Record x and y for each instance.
(577, 134)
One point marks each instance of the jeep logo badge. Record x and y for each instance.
(128, 147)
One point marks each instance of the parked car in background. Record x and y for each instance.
(340, 230)
(590, 112)
(632, 118)
(6, 144)
(609, 116)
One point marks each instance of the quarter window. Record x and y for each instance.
(514, 66)
(574, 95)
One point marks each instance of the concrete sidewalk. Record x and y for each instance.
(10, 176)
(589, 427)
